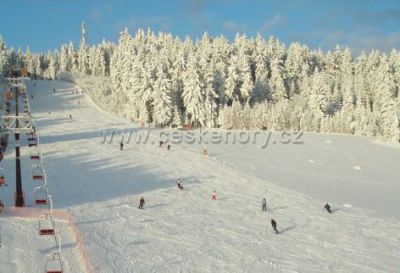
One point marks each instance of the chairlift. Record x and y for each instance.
(35, 154)
(32, 141)
(2, 178)
(8, 94)
(31, 136)
(38, 172)
(54, 263)
(46, 225)
(4, 141)
(41, 195)
(1, 205)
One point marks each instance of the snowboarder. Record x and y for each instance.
(161, 143)
(328, 208)
(121, 146)
(179, 183)
(141, 202)
(273, 224)
(214, 195)
(264, 204)
(168, 147)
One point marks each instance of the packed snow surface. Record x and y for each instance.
(185, 231)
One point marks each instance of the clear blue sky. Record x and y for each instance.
(359, 24)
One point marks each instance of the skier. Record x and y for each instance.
(70, 116)
(168, 147)
(54, 90)
(179, 183)
(1, 206)
(161, 143)
(141, 202)
(328, 208)
(264, 204)
(214, 195)
(31, 96)
(2, 180)
(273, 224)
(121, 146)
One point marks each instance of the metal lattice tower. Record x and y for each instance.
(83, 41)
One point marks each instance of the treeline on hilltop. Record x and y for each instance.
(245, 84)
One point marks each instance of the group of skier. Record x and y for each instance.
(264, 204)
(122, 145)
(273, 222)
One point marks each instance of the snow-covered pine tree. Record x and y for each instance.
(193, 94)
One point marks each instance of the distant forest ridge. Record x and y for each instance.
(249, 83)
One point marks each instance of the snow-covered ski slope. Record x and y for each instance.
(185, 231)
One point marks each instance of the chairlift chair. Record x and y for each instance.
(46, 225)
(8, 94)
(2, 178)
(54, 264)
(38, 172)
(41, 195)
(35, 154)
(32, 141)
(31, 136)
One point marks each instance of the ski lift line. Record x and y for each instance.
(47, 225)
(54, 264)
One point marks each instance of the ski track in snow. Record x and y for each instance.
(183, 231)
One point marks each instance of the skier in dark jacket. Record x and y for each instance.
(328, 208)
(161, 143)
(168, 147)
(141, 202)
(179, 183)
(273, 224)
(121, 146)
(264, 204)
